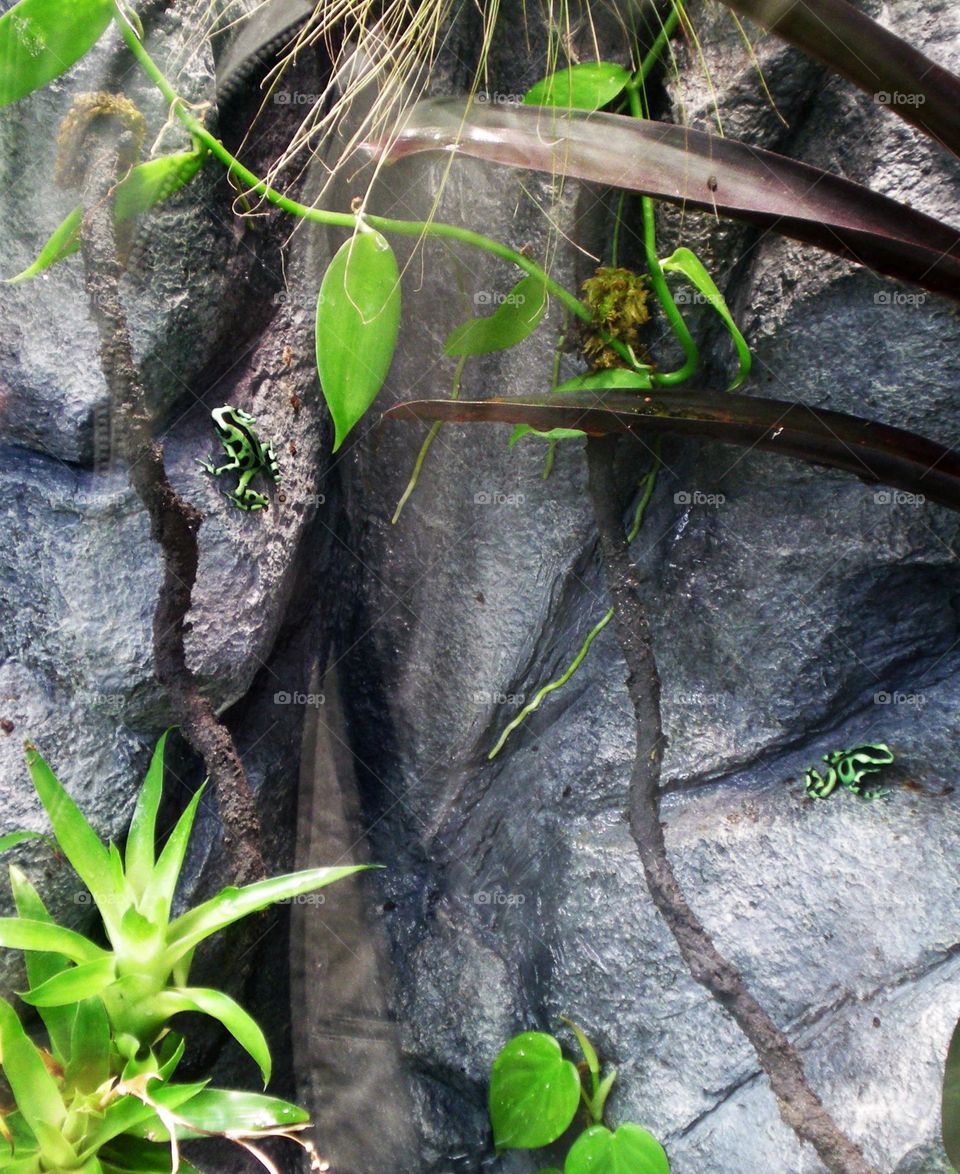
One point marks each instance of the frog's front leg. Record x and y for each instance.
(869, 792)
(819, 787)
(212, 468)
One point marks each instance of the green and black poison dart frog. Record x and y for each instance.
(849, 768)
(248, 454)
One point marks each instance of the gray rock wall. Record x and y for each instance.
(802, 612)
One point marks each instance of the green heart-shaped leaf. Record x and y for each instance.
(534, 1092)
(514, 318)
(40, 39)
(358, 317)
(631, 1150)
(581, 87)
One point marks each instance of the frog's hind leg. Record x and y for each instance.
(819, 787)
(248, 499)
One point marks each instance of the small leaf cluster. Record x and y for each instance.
(98, 1095)
(535, 1092)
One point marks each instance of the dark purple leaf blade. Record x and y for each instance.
(702, 171)
(873, 58)
(872, 451)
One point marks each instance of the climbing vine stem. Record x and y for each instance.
(799, 1105)
(347, 220)
(174, 521)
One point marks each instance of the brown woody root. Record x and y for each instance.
(800, 1107)
(174, 522)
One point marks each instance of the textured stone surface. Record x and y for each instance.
(800, 612)
(79, 574)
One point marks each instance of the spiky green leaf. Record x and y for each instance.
(76, 837)
(140, 855)
(89, 1064)
(158, 895)
(34, 1089)
(218, 1110)
(73, 984)
(232, 904)
(13, 839)
(219, 1006)
(41, 965)
(21, 933)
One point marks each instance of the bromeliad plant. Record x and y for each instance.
(100, 1095)
(535, 1093)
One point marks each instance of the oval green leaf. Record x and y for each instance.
(154, 181)
(517, 316)
(589, 86)
(611, 379)
(358, 317)
(951, 1100)
(631, 1150)
(146, 185)
(534, 1092)
(689, 264)
(63, 243)
(522, 430)
(40, 39)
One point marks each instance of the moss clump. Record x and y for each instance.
(617, 298)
